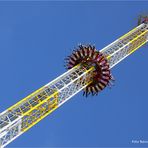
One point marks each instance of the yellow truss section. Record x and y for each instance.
(127, 34)
(25, 99)
(40, 111)
(137, 42)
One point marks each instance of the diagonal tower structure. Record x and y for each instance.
(88, 70)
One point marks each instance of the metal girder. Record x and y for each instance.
(29, 111)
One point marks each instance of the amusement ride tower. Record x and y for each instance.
(88, 70)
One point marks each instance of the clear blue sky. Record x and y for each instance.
(35, 37)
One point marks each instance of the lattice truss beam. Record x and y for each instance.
(29, 111)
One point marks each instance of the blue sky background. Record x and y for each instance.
(35, 37)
